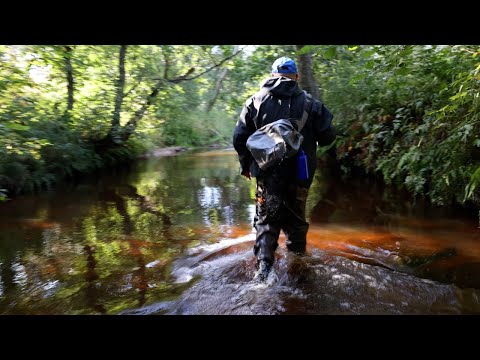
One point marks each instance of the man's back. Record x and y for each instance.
(282, 98)
(280, 195)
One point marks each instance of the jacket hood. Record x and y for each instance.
(280, 86)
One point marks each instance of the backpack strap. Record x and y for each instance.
(307, 109)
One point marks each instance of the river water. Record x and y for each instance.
(173, 235)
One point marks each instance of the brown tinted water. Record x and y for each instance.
(173, 235)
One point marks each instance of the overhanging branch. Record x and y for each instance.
(217, 65)
(185, 76)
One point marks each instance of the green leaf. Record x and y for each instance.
(474, 181)
(17, 126)
(368, 53)
(407, 51)
(370, 64)
(306, 49)
(459, 95)
(402, 71)
(330, 53)
(357, 78)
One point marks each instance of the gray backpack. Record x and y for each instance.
(279, 140)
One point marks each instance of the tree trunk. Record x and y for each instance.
(218, 86)
(69, 71)
(222, 75)
(306, 79)
(119, 93)
(118, 134)
(131, 125)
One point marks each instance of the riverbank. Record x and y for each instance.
(10, 191)
(175, 150)
(167, 151)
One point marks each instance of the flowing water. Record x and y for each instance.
(173, 235)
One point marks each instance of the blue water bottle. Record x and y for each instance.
(302, 165)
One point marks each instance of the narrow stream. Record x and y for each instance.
(174, 235)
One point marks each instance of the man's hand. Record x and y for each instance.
(247, 174)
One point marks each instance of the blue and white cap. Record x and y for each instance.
(284, 65)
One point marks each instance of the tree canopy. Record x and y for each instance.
(407, 114)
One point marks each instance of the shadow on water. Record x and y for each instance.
(173, 235)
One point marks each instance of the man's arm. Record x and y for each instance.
(243, 130)
(323, 128)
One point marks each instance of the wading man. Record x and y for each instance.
(280, 195)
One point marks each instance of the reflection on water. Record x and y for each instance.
(173, 235)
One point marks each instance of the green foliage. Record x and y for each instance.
(472, 185)
(409, 113)
(199, 128)
(41, 141)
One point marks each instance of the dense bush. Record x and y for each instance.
(409, 113)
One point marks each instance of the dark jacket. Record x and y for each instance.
(282, 98)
